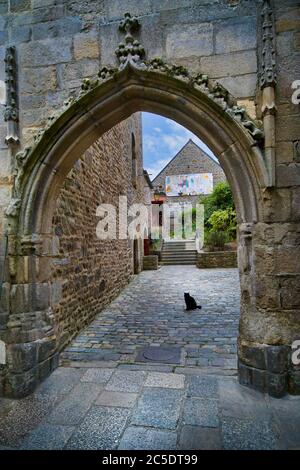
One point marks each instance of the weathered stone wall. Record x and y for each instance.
(190, 159)
(60, 42)
(216, 259)
(90, 272)
(275, 294)
(150, 262)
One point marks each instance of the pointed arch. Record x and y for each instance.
(206, 110)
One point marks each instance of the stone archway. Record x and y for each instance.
(208, 111)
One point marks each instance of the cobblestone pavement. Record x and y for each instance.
(112, 408)
(105, 400)
(151, 312)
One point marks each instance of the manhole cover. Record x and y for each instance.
(159, 354)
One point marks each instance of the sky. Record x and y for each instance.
(162, 139)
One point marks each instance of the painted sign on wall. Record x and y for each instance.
(189, 185)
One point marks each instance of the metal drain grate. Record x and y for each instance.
(163, 354)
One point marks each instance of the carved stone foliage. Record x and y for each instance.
(267, 60)
(239, 113)
(130, 50)
(11, 114)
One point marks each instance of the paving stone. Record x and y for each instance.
(199, 438)
(139, 438)
(238, 401)
(89, 365)
(72, 409)
(204, 387)
(126, 381)
(248, 434)
(286, 415)
(99, 376)
(165, 354)
(201, 412)
(60, 382)
(19, 417)
(121, 399)
(158, 407)
(101, 429)
(157, 379)
(146, 367)
(47, 437)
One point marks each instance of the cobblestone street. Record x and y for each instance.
(151, 312)
(102, 400)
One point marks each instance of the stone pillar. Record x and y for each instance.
(270, 273)
(28, 324)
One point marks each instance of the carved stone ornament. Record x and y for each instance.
(12, 210)
(132, 54)
(11, 114)
(268, 61)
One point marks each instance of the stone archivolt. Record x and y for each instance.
(130, 55)
(214, 91)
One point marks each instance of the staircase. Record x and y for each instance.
(179, 252)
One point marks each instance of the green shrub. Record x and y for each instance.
(220, 199)
(219, 216)
(224, 220)
(216, 239)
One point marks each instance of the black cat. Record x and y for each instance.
(190, 302)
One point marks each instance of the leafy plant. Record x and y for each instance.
(219, 216)
(220, 199)
(224, 220)
(216, 239)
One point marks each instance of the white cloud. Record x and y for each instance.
(164, 141)
(184, 134)
(156, 167)
(150, 143)
(174, 142)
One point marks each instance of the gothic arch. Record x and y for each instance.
(204, 108)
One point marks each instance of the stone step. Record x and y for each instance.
(176, 245)
(177, 262)
(179, 259)
(179, 251)
(178, 256)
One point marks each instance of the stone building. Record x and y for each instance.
(190, 160)
(89, 272)
(226, 70)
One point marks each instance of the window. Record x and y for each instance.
(133, 161)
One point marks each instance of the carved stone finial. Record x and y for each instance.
(268, 62)
(11, 114)
(131, 50)
(129, 25)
